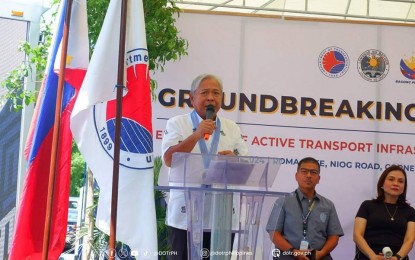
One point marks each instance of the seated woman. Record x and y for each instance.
(387, 221)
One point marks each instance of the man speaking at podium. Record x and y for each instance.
(200, 131)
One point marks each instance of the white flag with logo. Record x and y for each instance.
(93, 123)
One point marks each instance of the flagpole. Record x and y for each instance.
(55, 143)
(116, 167)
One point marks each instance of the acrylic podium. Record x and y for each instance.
(224, 195)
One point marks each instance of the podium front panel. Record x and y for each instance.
(225, 196)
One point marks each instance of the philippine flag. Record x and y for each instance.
(93, 121)
(28, 234)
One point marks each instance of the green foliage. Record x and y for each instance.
(96, 15)
(78, 168)
(100, 240)
(35, 56)
(163, 42)
(160, 209)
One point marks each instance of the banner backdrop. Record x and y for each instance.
(340, 92)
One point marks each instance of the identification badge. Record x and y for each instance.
(304, 244)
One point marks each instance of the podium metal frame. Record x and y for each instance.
(214, 187)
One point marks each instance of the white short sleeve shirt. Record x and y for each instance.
(179, 128)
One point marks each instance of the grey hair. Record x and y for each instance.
(196, 82)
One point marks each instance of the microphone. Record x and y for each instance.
(387, 252)
(210, 110)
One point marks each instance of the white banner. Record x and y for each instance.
(342, 93)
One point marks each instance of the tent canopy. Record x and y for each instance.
(377, 10)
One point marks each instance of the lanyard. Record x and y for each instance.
(202, 143)
(305, 217)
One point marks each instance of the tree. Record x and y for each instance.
(163, 43)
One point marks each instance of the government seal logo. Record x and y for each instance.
(333, 62)
(373, 65)
(136, 142)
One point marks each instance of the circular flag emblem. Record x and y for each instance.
(136, 141)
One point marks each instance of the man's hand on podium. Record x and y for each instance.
(226, 152)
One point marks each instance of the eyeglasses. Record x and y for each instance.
(305, 171)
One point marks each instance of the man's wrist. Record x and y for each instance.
(291, 249)
(313, 254)
(398, 257)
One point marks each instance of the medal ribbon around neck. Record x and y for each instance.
(202, 143)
